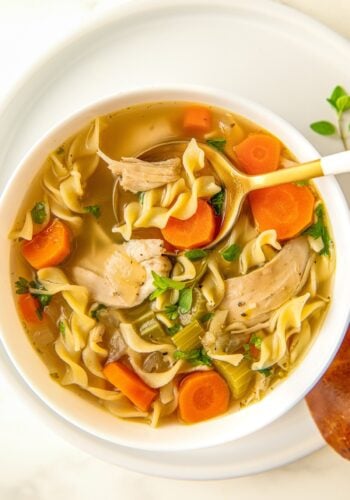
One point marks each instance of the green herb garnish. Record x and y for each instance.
(218, 143)
(62, 328)
(231, 253)
(163, 284)
(217, 202)
(44, 299)
(141, 196)
(195, 357)
(301, 183)
(247, 353)
(172, 311)
(38, 212)
(95, 313)
(319, 230)
(94, 210)
(255, 341)
(185, 300)
(265, 371)
(24, 286)
(171, 330)
(196, 254)
(206, 317)
(323, 127)
(339, 99)
(340, 102)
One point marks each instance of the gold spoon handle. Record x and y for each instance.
(329, 165)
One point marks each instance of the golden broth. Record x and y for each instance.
(128, 133)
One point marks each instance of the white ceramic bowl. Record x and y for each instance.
(175, 436)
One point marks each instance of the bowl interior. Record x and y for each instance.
(174, 436)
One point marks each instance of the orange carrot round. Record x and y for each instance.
(287, 208)
(203, 395)
(258, 154)
(130, 384)
(197, 119)
(49, 247)
(197, 231)
(29, 308)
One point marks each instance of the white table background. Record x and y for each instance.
(34, 463)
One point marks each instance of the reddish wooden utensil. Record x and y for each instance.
(329, 401)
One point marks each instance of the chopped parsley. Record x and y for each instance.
(196, 254)
(171, 330)
(194, 356)
(265, 371)
(141, 196)
(231, 253)
(163, 284)
(319, 230)
(95, 313)
(206, 317)
(94, 210)
(62, 328)
(218, 143)
(172, 312)
(185, 300)
(38, 212)
(247, 353)
(256, 341)
(217, 202)
(24, 286)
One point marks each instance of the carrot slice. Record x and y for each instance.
(197, 119)
(287, 208)
(29, 307)
(258, 154)
(203, 395)
(130, 384)
(197, 231)
(49, 247)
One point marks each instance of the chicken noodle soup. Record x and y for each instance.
(118, 291)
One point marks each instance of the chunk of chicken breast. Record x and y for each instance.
(251, 298)
(138, 175)
(126, 278)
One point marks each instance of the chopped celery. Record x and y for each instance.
(153, 331)
(146, 324)
(138, 323)
(238, 377)
(199, 308)
(189, 337)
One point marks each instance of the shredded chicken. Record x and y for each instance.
(116, 347)
(126, 278)
(251, 298)
(138, 175)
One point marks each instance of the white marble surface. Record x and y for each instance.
(34, 463)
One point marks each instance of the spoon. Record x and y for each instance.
(238, 184)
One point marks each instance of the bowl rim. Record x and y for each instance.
(300, 381)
